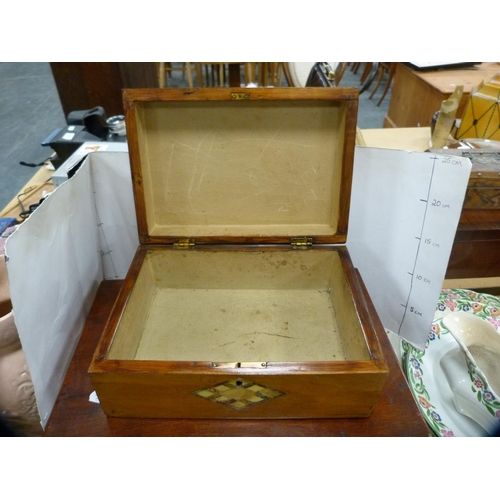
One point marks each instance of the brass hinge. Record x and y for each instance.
(301, 243)
(184, 243)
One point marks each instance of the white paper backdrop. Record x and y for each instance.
(405, 209)
(86, 231)
(81, 234)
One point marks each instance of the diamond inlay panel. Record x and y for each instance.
(238, 393)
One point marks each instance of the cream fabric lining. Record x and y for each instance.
(241, 168)
(231, 306)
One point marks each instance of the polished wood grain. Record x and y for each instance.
(395, 413)
(224, 94)
(85, 85)
(322, 389)
(347, 164)
(476, 249)
(482, 197)
(483, 189)
(164, 389)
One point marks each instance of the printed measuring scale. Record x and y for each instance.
(405, 209)
(432, 243)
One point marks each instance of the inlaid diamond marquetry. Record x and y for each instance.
(238, 393)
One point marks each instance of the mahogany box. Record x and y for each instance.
(242, 300)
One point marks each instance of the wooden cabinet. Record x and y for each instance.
(417, 95)
(85, 85)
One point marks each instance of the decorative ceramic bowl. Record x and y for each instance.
(476, 359)
(425, 374)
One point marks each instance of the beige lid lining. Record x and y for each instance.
(221, 168)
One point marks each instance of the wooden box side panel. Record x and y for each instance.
(342, 293)
(368, 317)
(133, 318)
(156, 395)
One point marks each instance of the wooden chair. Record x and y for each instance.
(339, 72)
(264, 74)
(224, 74)
(355, 67)
(366, 72)
(383, 68)
(210, 74)
(370, 71)
(214, 73)
(369, 74)
(164, 68)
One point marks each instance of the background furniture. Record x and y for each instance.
(224, 74)
(297, 73)
(264, 73)
(417, 95)
(390, 69)
(85, 85)
(164, 68)
(475, 257)
(30, 193)
(218, 74)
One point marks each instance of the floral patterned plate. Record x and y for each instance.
(425, 376)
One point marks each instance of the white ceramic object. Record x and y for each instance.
(431, 391)
(299, 71)
(424, 371)
(476, 358)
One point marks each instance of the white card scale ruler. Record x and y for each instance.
(405, 209)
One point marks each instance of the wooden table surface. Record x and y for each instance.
(446, 80)
(30, 193)
(417, 95)
(396, 414)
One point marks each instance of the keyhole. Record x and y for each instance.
(239, 383)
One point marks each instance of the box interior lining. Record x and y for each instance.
(223, 168)
(230, 306)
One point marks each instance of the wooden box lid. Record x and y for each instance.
(231, 165)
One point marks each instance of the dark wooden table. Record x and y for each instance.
(395, 415)
(476, 249)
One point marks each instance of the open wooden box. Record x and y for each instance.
(241, 301)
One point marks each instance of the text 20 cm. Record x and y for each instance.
(438, 203)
